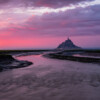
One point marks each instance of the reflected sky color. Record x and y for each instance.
(44, 24)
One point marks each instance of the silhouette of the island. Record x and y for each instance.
(68, 45)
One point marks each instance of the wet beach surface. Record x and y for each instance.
(51, 79)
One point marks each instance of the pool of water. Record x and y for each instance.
(79, 55)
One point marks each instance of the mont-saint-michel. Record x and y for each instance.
(68, 45)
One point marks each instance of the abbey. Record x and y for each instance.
(68, 44)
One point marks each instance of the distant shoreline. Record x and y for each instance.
(8, 62)
(68, 55)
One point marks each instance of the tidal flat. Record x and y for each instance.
(51, 79)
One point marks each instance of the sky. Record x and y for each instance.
(44, 24)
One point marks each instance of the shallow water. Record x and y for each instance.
(79, 55)
(51, 79)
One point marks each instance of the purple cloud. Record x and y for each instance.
(79, 21)
(40, 3)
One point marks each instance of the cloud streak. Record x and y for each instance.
(40, 3)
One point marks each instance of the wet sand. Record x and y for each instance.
(8, 62)
(51, 79)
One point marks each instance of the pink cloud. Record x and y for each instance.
(45, 30)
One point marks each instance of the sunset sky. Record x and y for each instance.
(42, 24)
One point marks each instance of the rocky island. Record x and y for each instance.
(68, 45)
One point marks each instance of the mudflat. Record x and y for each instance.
(51, 79)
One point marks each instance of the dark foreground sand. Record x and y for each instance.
(8, 62)
(51, 79)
